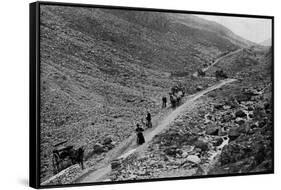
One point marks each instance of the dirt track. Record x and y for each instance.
(128, 149)
(218, 60)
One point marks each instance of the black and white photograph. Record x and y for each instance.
(134, 94)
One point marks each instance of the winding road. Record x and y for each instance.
(129, 148)
(218, 60)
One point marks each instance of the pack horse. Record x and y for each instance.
(176, 94)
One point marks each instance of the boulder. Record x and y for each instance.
(267, 106)
(240, 121)
(250, 108)
(233, 133)
(199, 88)
(240, 113)
(218, 106)
(194, 159)
(268, 111)
(186, 150)
(184, 154)
(243, 98)
(208, 116)
(259, 113)
(202, 145)
(226, 107)
(232, 102)
(190, 139)
(212, 130)
(224, 128)
(107, 140)
(254, 125)
(245, 128)
(251, 92)
(218, 142)
(222, 133)
(109, 146)
(171, 151)
(116, 164)
(98, 148)
(227, 118)
(262, 123)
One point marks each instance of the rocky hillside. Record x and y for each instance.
(229, 131)
(102, 69)
(246, 62)
(211, 26)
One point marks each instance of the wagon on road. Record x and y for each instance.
(65, 156)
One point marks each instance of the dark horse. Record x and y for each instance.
(64, 157)
(76, 156)
(173, 100)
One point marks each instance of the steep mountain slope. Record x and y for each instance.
(207, 25)
(254, 63)
(101, 69)
(227, 131)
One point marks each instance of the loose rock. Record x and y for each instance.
(240, 113)
(194, 159)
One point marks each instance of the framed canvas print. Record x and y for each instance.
(120, 94)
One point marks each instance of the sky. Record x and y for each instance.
(253, 29)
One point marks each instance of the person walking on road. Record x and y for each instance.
(140, 137)
(148, 120)
(164, 102)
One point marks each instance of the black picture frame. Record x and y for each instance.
(34, 91)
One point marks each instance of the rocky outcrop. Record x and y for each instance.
(250, 147)
(98, 148)
(194, 159)
(240, 113)
(199, 88)
(64, 177)
(212, 130)
(201, 145)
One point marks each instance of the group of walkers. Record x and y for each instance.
(175, 97)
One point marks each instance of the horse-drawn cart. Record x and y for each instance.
(65, 156)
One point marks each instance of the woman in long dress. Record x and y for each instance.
(140, 137)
